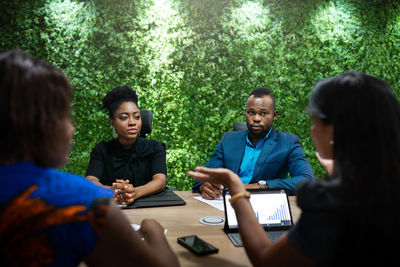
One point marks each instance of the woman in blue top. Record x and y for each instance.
(48, 217)
(352, 217)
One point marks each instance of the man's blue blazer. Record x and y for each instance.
(282, 154)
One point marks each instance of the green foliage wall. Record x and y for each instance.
(193, 62)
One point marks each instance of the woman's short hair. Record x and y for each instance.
(366, 118)
(35, 97)
(116, 96)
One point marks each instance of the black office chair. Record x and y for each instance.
(147, 122)
(147, 126)
(240, 126)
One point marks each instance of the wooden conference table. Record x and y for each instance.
(184, 220)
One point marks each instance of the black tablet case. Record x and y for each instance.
(163, 198)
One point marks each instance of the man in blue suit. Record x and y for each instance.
(261, 156)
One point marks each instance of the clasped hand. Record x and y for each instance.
(124, 192)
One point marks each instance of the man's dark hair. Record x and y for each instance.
(261, 92)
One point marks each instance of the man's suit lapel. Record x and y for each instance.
(266, 151)
(238, 151)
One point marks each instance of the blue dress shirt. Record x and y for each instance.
(250, 157)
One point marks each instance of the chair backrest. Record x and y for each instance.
(147, 122)
(240, 126)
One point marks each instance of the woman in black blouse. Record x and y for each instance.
(133, 166)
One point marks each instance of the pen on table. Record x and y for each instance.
(218, 187)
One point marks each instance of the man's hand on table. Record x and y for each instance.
(211, 191)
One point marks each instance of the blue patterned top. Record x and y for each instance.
(48, 217)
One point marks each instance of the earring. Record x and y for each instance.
(331, 142)
(114, 133)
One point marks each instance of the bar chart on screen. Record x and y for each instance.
(271, 211)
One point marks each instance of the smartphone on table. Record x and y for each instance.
(197, 245)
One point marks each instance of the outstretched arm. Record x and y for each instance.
(259, 248)
(120, 245)
(207, 189)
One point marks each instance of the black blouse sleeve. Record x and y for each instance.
(96, 164)
(318, 231)
(158, 162)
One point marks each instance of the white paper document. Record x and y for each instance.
(217, 203)
(136, 227)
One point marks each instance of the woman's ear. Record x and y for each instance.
(114, 132)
